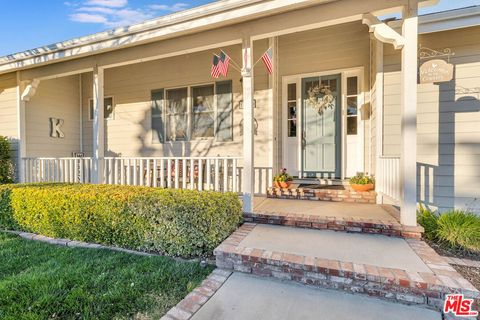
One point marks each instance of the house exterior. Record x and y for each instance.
(138, 105)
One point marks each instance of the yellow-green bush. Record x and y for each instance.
(175, 222)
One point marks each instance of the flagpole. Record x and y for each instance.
(260, 58)
(233, 62)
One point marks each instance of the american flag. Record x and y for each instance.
(224, 63)
(268, 60)
(216, 67)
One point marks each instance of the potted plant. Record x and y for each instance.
(283, 179)
(362, 182)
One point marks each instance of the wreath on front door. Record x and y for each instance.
(321, 98)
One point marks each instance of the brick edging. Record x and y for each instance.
(354, 225)
(462, 262)
(186, 308)
(423, 288)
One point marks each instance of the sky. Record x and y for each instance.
(28, 24)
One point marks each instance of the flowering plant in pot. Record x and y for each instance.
(283, 179)
(362, 182)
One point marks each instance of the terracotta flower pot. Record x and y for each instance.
(276, 184)
(285, 184)
(363, 187)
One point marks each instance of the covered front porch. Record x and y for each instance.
(152, 116)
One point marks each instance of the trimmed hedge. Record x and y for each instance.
(175, 222)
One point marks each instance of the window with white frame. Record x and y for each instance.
(352, 105)
(193, 112)
(108, 108)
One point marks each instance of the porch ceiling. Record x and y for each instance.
(261, 20)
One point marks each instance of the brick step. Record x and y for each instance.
(427, 289)
(325, 193)
(347, 224)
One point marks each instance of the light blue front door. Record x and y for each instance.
(321, 127)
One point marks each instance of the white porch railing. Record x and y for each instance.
(388, 179)
(74, 170)
(201, 173)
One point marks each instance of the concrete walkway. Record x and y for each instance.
(246, 297)
(341, 246)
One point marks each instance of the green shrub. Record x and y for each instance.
(6, 166)
(459, 228)
(428, 220)
(175, 222)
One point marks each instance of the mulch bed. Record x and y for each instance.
(472, 275)
(447, 251)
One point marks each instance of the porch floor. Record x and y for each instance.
(342, 210)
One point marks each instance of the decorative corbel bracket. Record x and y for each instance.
(383, 32)
(30, 89)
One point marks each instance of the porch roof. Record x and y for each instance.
(218, 14)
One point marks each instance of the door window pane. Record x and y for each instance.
(292, 110)
(352, 86)
(292, 91)
(351, 125)
(157, 116)
(352, 105)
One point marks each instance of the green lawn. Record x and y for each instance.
(42, 281)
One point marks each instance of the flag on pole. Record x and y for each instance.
(267, 59)
(216, 67)
(224, 63)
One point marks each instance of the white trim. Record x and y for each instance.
(446, 20)
(382, 31)
(297, 78)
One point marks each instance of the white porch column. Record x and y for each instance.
(379, 111)
(408, 155)
(22, 143)
(98, 126)
(248, 130)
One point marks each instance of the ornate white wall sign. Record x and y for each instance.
(56, 128)
(436, 70)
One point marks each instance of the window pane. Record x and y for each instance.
(202, 98)
(352, 86)
(158, 126)
(352, 106)
(90, 108)
(224, 111)
(351, 125)
(108, 108)
(177, 100)
(177, 126)
(292, 110)
(157, 130)
(203, 124)
(333, 85)
(157, 102)
(292, 128)
(292, 91)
